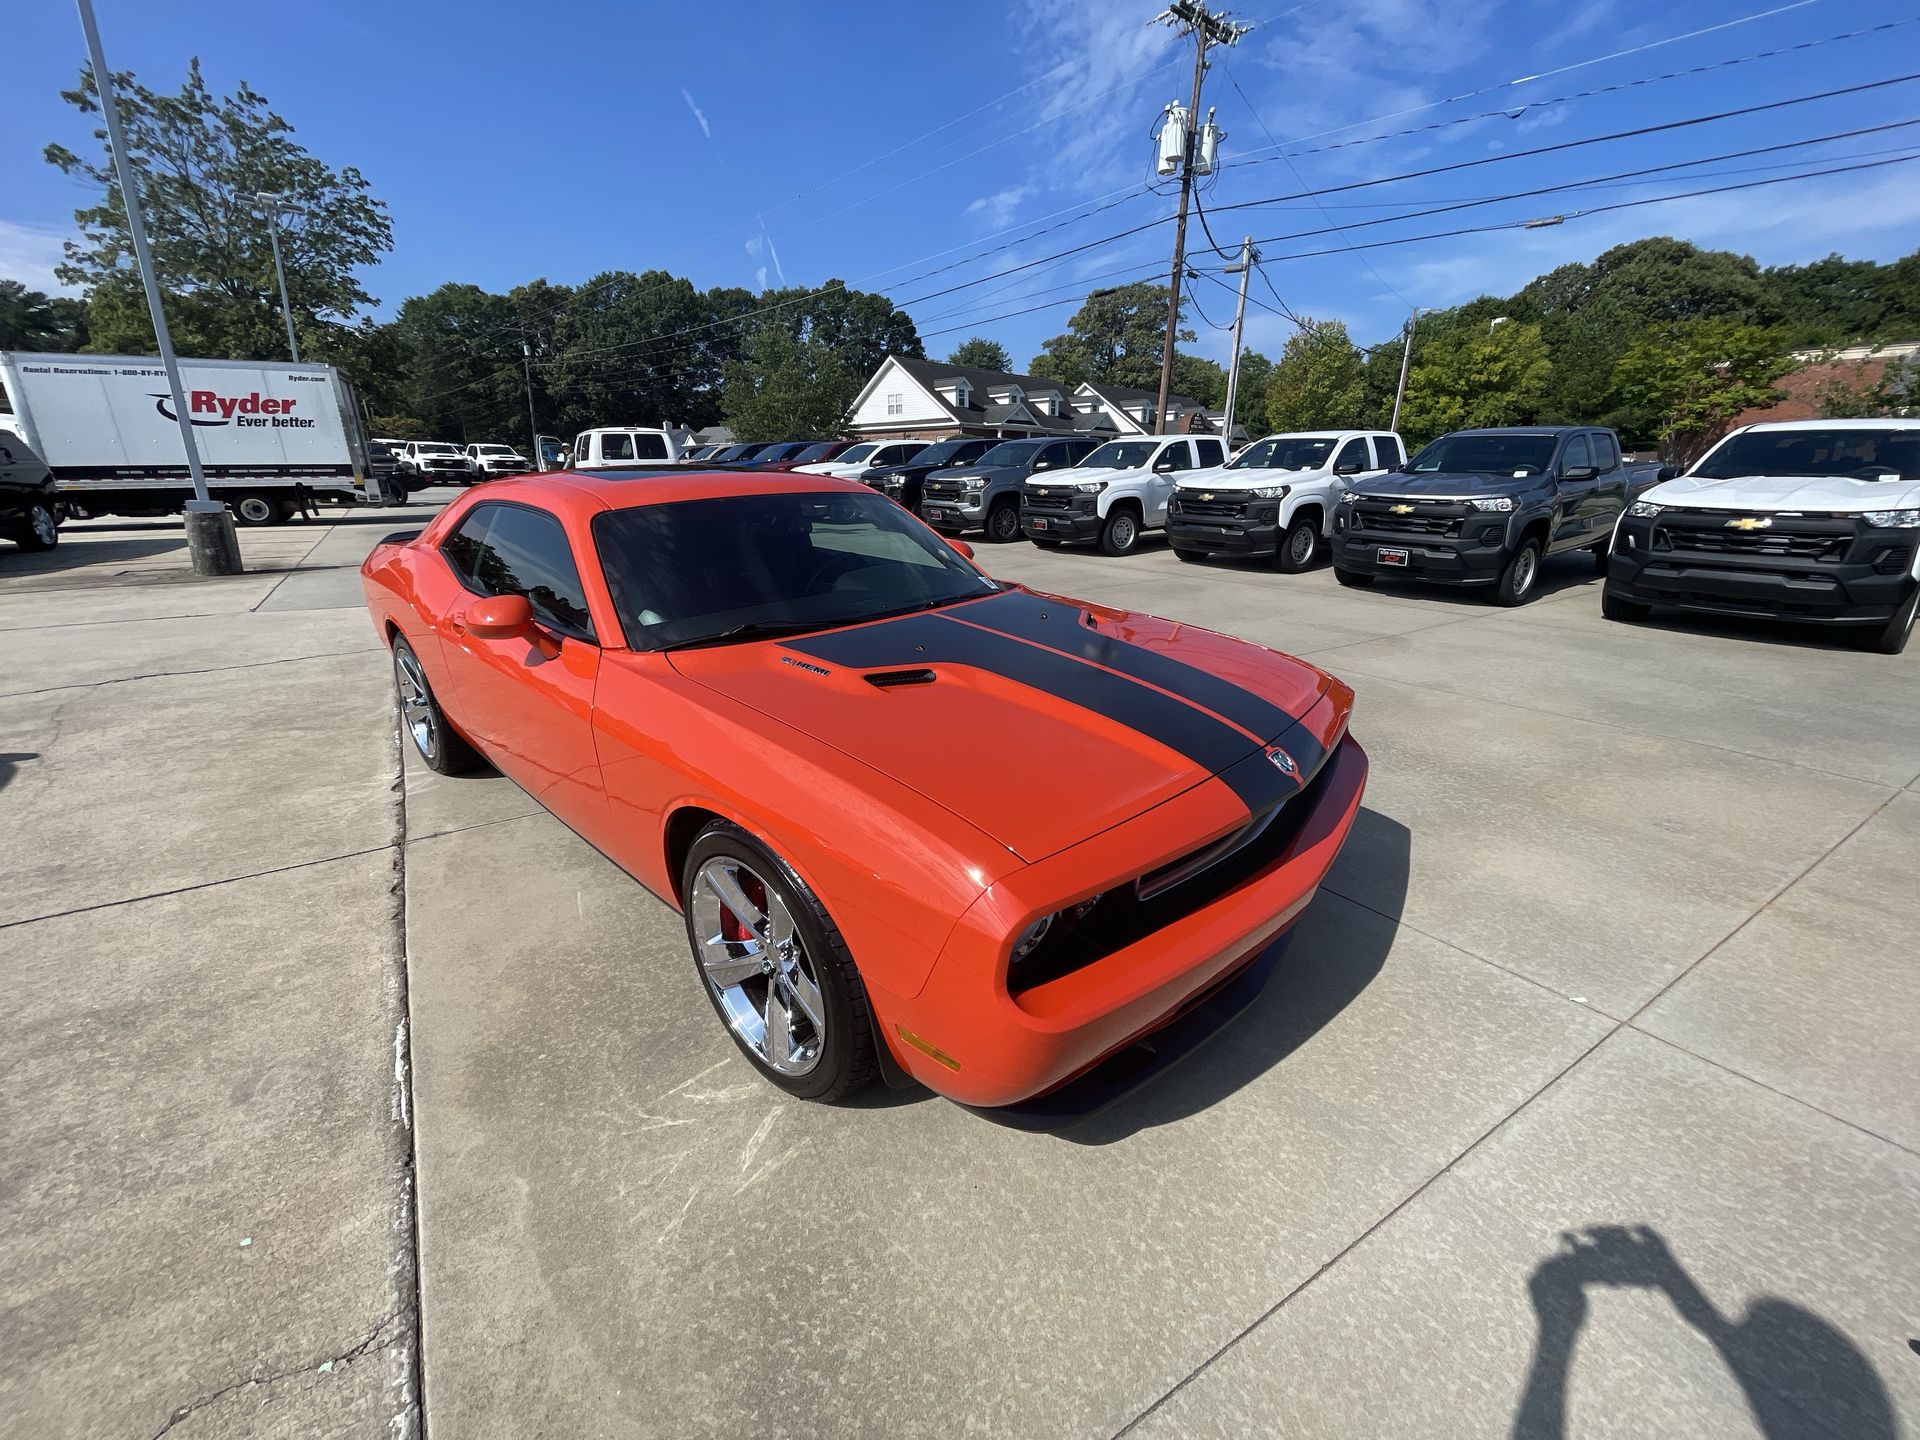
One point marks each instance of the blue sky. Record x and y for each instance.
(748, 144)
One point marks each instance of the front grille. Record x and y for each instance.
(942, 490)
(1804, 538)
(1130, 913)
(1387, 515)
(1060, 500)
(1218, 508)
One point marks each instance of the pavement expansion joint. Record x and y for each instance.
(326, 1366)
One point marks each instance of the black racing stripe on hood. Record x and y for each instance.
(1061, 625)
(916, 640)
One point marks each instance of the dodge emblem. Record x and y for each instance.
(1282, 761)
(1750, 522)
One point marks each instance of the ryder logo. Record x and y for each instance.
(252, 410)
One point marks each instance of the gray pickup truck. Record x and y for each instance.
(1485, 507)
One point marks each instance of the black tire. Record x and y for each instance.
(1352, 579)
(1046, 542)
(1615, 608)
(1892, 638)
(1003, 522)
(1120, 535)
(40, 528)
(1192, 557)
(1299, 546)
(443, 749)
(847, 1059)
(255, 510)
(1520, 576)
(397, 488)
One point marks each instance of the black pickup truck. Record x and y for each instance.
(1485, 507)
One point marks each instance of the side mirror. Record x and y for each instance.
(1665, 473)
(1351, 467)
(1579, 472)
(499, 617)
(1040, 465)
(962, 546)
(1163, 465)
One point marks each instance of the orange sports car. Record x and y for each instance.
(919, 822)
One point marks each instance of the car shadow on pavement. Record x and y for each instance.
(78, 556)
(1558, 574)
(1801, 1376)
(1785, 634)
(1337, 948)
(10, 761)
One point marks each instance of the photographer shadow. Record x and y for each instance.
(1802, 1378)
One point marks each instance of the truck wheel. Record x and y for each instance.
(256, 510)
(1003, 522)
(1298, 546)
(775, 967)
(41, 530)
(1615, 608)
(1893, 638)
(1120, 534)
(1518, 579)
(1352, 579)
(445, 751)
(1192, 557)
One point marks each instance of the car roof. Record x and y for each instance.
(1889, 422)
(587, 494)
(1525, 429)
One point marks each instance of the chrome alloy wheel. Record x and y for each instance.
(753, 958)
(416, 702)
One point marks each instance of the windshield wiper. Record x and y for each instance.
(755, 630)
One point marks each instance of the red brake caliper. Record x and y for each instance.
(732, 928)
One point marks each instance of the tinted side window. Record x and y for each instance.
(616, 447)
(1577, 454)
(511, 550)
(648, 447)
(1386, 449)
(1054, 457)
(1605, 453)
(1354, 452)
(1180, 454)
(1212, 452)
(582, 449)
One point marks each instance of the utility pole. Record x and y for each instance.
(212, 547)
(533, 425)
(1406, 354)
(273, 207)
(1189, 17)
(1248, 255)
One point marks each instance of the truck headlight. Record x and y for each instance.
(1893, 519)
(973, 486)
(1644, 509)
(1091, 487)
(1270, 492)
(1493, 502)
(1347, 497)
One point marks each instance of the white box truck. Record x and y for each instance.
(275, 439)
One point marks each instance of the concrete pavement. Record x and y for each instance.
(1582, 1105)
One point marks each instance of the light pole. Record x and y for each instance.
(533, 425)
(1247, 257)
(212, 547)
(273, 207)
(1406, 354)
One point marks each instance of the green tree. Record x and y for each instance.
(980, 353)
(1250, 403)
(1470, 376)
(1319, 382)
(200, 157)
(1685, 383)
(1117, 336)
(33, 320)
(785, 387)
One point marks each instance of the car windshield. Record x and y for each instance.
(784, 451)
(1285, 452)
(1012, 452)
(734, 452)
(493, 449)
(1492, 454)
(435, 449)
(816, 452)
(1121, 455)
(857, 453)
(1862, 454)
(695, 572)
(942, 453)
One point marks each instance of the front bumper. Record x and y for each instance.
(1002, 1047)
(1058, 525)
(1859, 576)
(949, 514)
(1226, 537)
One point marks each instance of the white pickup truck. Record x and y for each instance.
(630, 448)
(1115, 494)
(490, 462)
(1812, 520)
(433, 462)
(1276, 497)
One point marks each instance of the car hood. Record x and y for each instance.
(1787, 492)
(1038, 720)
(1074, 474)
(982, 472)
(1443, 483)
(1219, 477)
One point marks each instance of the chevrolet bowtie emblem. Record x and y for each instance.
(1402, 509)
(1749, 522)
(1206, 496)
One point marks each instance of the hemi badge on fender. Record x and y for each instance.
(1402, 510)
(1749, 522)
(803, 665)
(1282, 761)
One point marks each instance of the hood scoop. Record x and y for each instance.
(890, 679)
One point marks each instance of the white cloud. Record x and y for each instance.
(28, 254)
(998, 209)
(698, 114)
(772, 253)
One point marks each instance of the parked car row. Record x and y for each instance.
(439, 462)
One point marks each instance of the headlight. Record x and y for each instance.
(973, 485)
(1644, 509)
(1496, 502)
(1031, 937)
(1893, 519)
(1091, 487)
(1270, 492)
(1347, 497)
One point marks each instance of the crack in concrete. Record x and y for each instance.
(324, 1366)
(172, 674)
